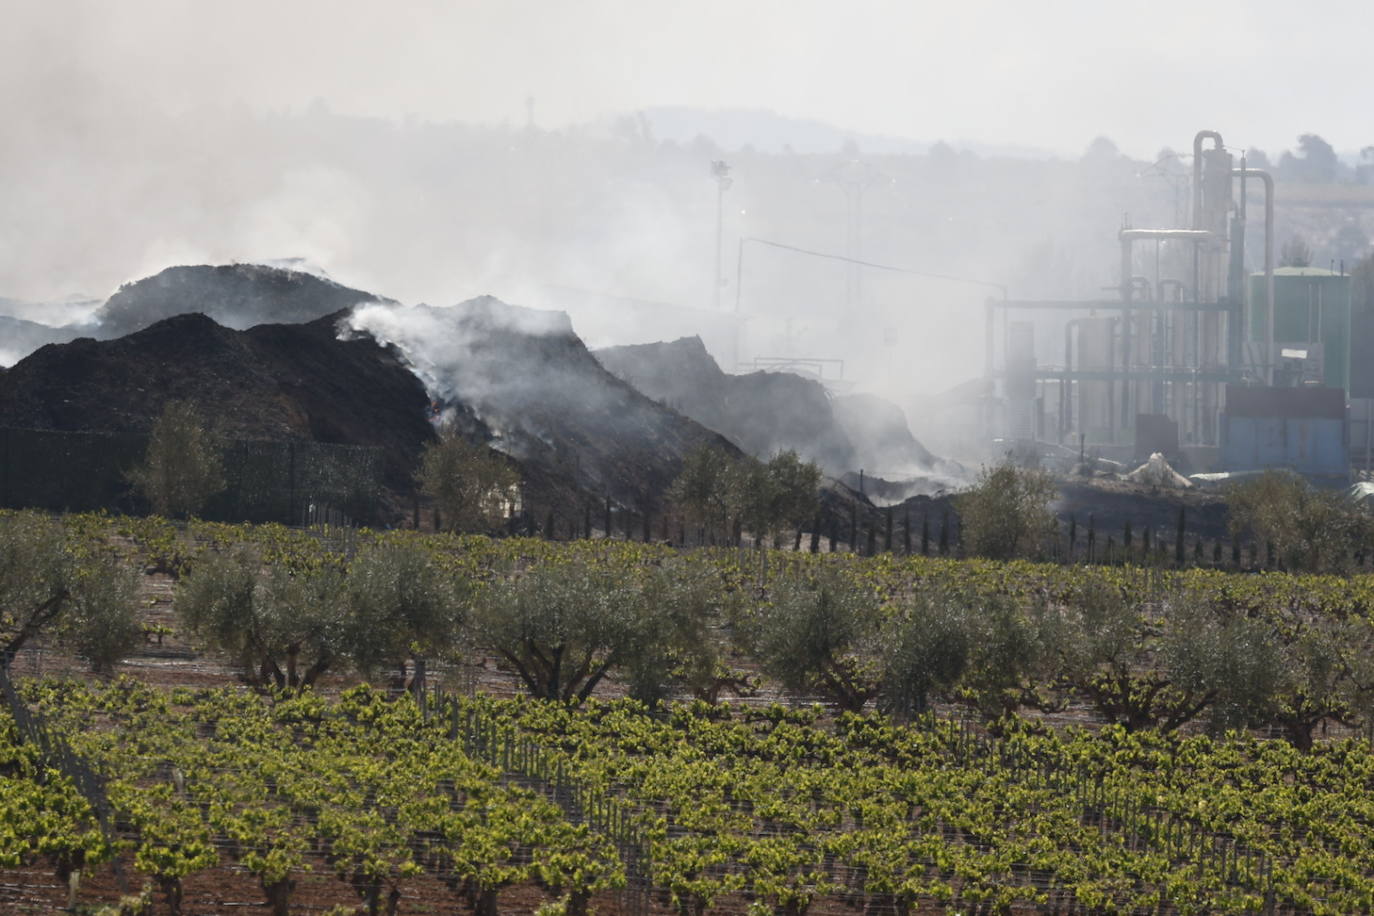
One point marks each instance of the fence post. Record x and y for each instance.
(1178, 537)
(291, 485)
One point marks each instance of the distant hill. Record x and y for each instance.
(770, 132)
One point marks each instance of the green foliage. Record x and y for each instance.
(183, 466)
(816, 633)
(1006, 513)
(472, 485)
(926, 644)
(764, 498)
(700, 491)
(282, 629)
(102, 625)
(1232, 661)
(564, 626)
(672, 643)
(37, 577)
(400, 605)
(1311, 530)
(794, 490)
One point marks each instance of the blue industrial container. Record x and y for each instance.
(1299, 428)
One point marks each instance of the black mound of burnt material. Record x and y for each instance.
(273, 382)
(767, 412)
(235, 295)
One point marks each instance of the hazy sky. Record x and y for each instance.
(1050, 75)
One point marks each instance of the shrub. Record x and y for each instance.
(1007, 512)
(183, 466)
(471, 485)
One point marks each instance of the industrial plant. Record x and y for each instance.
(1219, 368)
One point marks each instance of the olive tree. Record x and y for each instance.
(716, 489)
(472, 485)
(563, 626)
(794, 492)
(401, 606)
(1162, 663)
(1312, 530)
(90, 602)
(1006, 513)
(672, 643)
(926, 645)
(183, 466)
(1228, 661)
(1013, 661)
(701, 490)
(281, 629)
(102, 625)
(37, 578)
(817, 633)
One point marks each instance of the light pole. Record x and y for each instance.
(854, 176)
(720, 170)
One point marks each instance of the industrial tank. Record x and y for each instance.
(1311, 314)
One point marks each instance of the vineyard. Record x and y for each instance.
(700, 808)
(906, 734)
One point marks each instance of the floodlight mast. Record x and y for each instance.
(720, 170)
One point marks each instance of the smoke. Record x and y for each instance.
(604, 222)
(504, 364)
(144, 135)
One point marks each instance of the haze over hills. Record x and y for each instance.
(771, 132)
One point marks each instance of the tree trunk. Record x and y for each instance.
(73, 887)
(577, 903)
(171, 889)
(279, 896)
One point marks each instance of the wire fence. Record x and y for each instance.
(614, 812)
(54, 752)
(295, 482)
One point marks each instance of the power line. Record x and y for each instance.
(862, 263)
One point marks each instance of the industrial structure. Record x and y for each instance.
(1154, 367)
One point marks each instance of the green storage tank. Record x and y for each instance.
(1311, 305)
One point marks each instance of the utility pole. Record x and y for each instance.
(720, 170)
(854, 177)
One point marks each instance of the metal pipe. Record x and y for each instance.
(1127, 295)
(1193, 235)
(1066, 383)
(1268, 180)
(1197, 171)
(1111, 377)
(1128, 237)
(1175, 285)
(987, 343)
